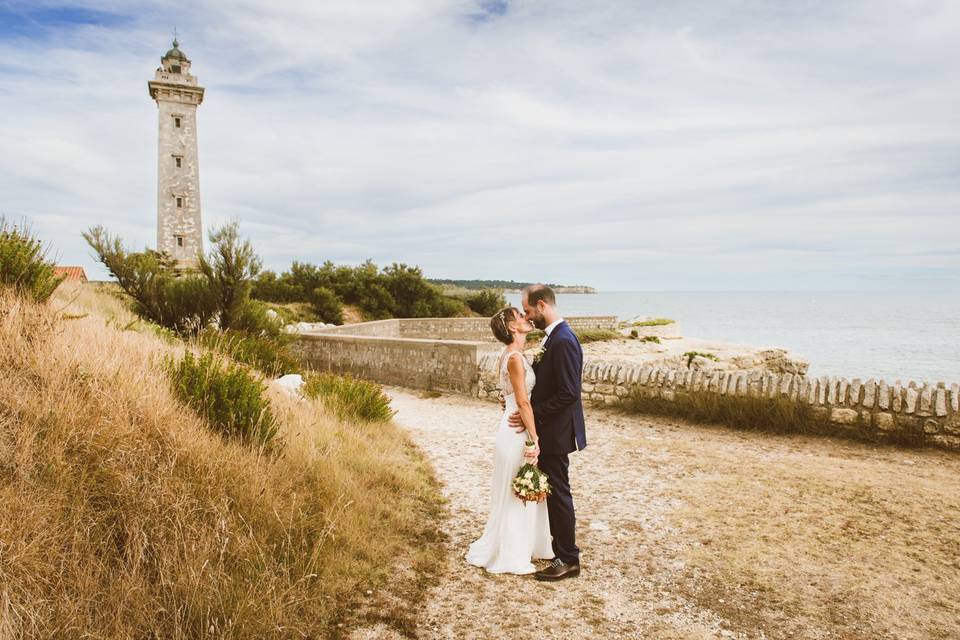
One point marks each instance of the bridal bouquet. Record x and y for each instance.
(531, 484)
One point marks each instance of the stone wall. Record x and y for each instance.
(469, 329)
(871, 409)
(444, 365)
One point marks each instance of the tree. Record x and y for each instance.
(229, 270)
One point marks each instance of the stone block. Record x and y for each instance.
(645, 373)
(668, 394)
(884, 421)
(883, 395)
(844, 416)
(587, 387)
(911, 399)
(926, 400)
(621, 391)
(930, 425)
(605, 388)
(812, 391)
(822, 385)
(842, 392)
(785, 383)
(803, 389)
(855, 386)
(955, 397)
(897, 397)
(832, 390)
(869, 393)
(671, 376)
(940, 404)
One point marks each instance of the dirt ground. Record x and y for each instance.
(691, 531)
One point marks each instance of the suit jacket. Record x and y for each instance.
(557, 406)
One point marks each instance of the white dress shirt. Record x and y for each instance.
(549, 330)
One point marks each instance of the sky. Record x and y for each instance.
(628, 145)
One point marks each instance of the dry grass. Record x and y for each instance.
(822, 539)
(125, 516)
(775, 415)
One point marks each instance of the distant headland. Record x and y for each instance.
(508, 286)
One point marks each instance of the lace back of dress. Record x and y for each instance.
(505, 383)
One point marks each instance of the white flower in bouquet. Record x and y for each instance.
(531, 484)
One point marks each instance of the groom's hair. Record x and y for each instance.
(537, 292)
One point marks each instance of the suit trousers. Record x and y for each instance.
(560, 511)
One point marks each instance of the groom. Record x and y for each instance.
(558, 412)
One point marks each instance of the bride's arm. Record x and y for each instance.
(518, 379)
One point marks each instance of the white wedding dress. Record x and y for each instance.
(516, 533)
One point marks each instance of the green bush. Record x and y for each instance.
(690, 355)
(326, 305)
(184, 301)
(654, 322)
(23, 263)
(395, 291)
(349, 398)
(486, 302)
(269, 354)
(586, 336)
(227, 396)
(229, 270)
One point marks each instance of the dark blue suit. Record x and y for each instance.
(558, 411)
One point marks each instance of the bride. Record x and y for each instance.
(515, 533)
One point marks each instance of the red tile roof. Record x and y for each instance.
(72, 273)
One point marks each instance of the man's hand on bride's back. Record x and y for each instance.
(516, 422)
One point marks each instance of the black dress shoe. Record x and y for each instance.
(558, 570)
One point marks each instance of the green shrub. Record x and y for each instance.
(586, 336)
(229, 270)
(654, 339)
(326, 305)
(395, 291)
(486, 302)
(24, 265)
(780, 415)
(269, 354)
(227, 396)
(349, 398)
(654, 322)
(253, 319)
(184, 301)
(690, 355)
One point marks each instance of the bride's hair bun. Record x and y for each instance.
(499, 322)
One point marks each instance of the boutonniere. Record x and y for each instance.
(538, 354)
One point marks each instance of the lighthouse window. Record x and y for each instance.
(179, 202)
(178, 161)
(176, 122)
(175, 68)
(179, 240)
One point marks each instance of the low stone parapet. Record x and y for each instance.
(873, 409)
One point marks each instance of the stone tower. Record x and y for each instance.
(179, 228)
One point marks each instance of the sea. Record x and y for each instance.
(905, 336)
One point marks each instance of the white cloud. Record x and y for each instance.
(730, 145)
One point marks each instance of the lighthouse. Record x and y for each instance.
(177, 94)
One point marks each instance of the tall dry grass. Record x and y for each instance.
(125, 516)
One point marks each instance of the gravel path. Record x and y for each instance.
(630, 557)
